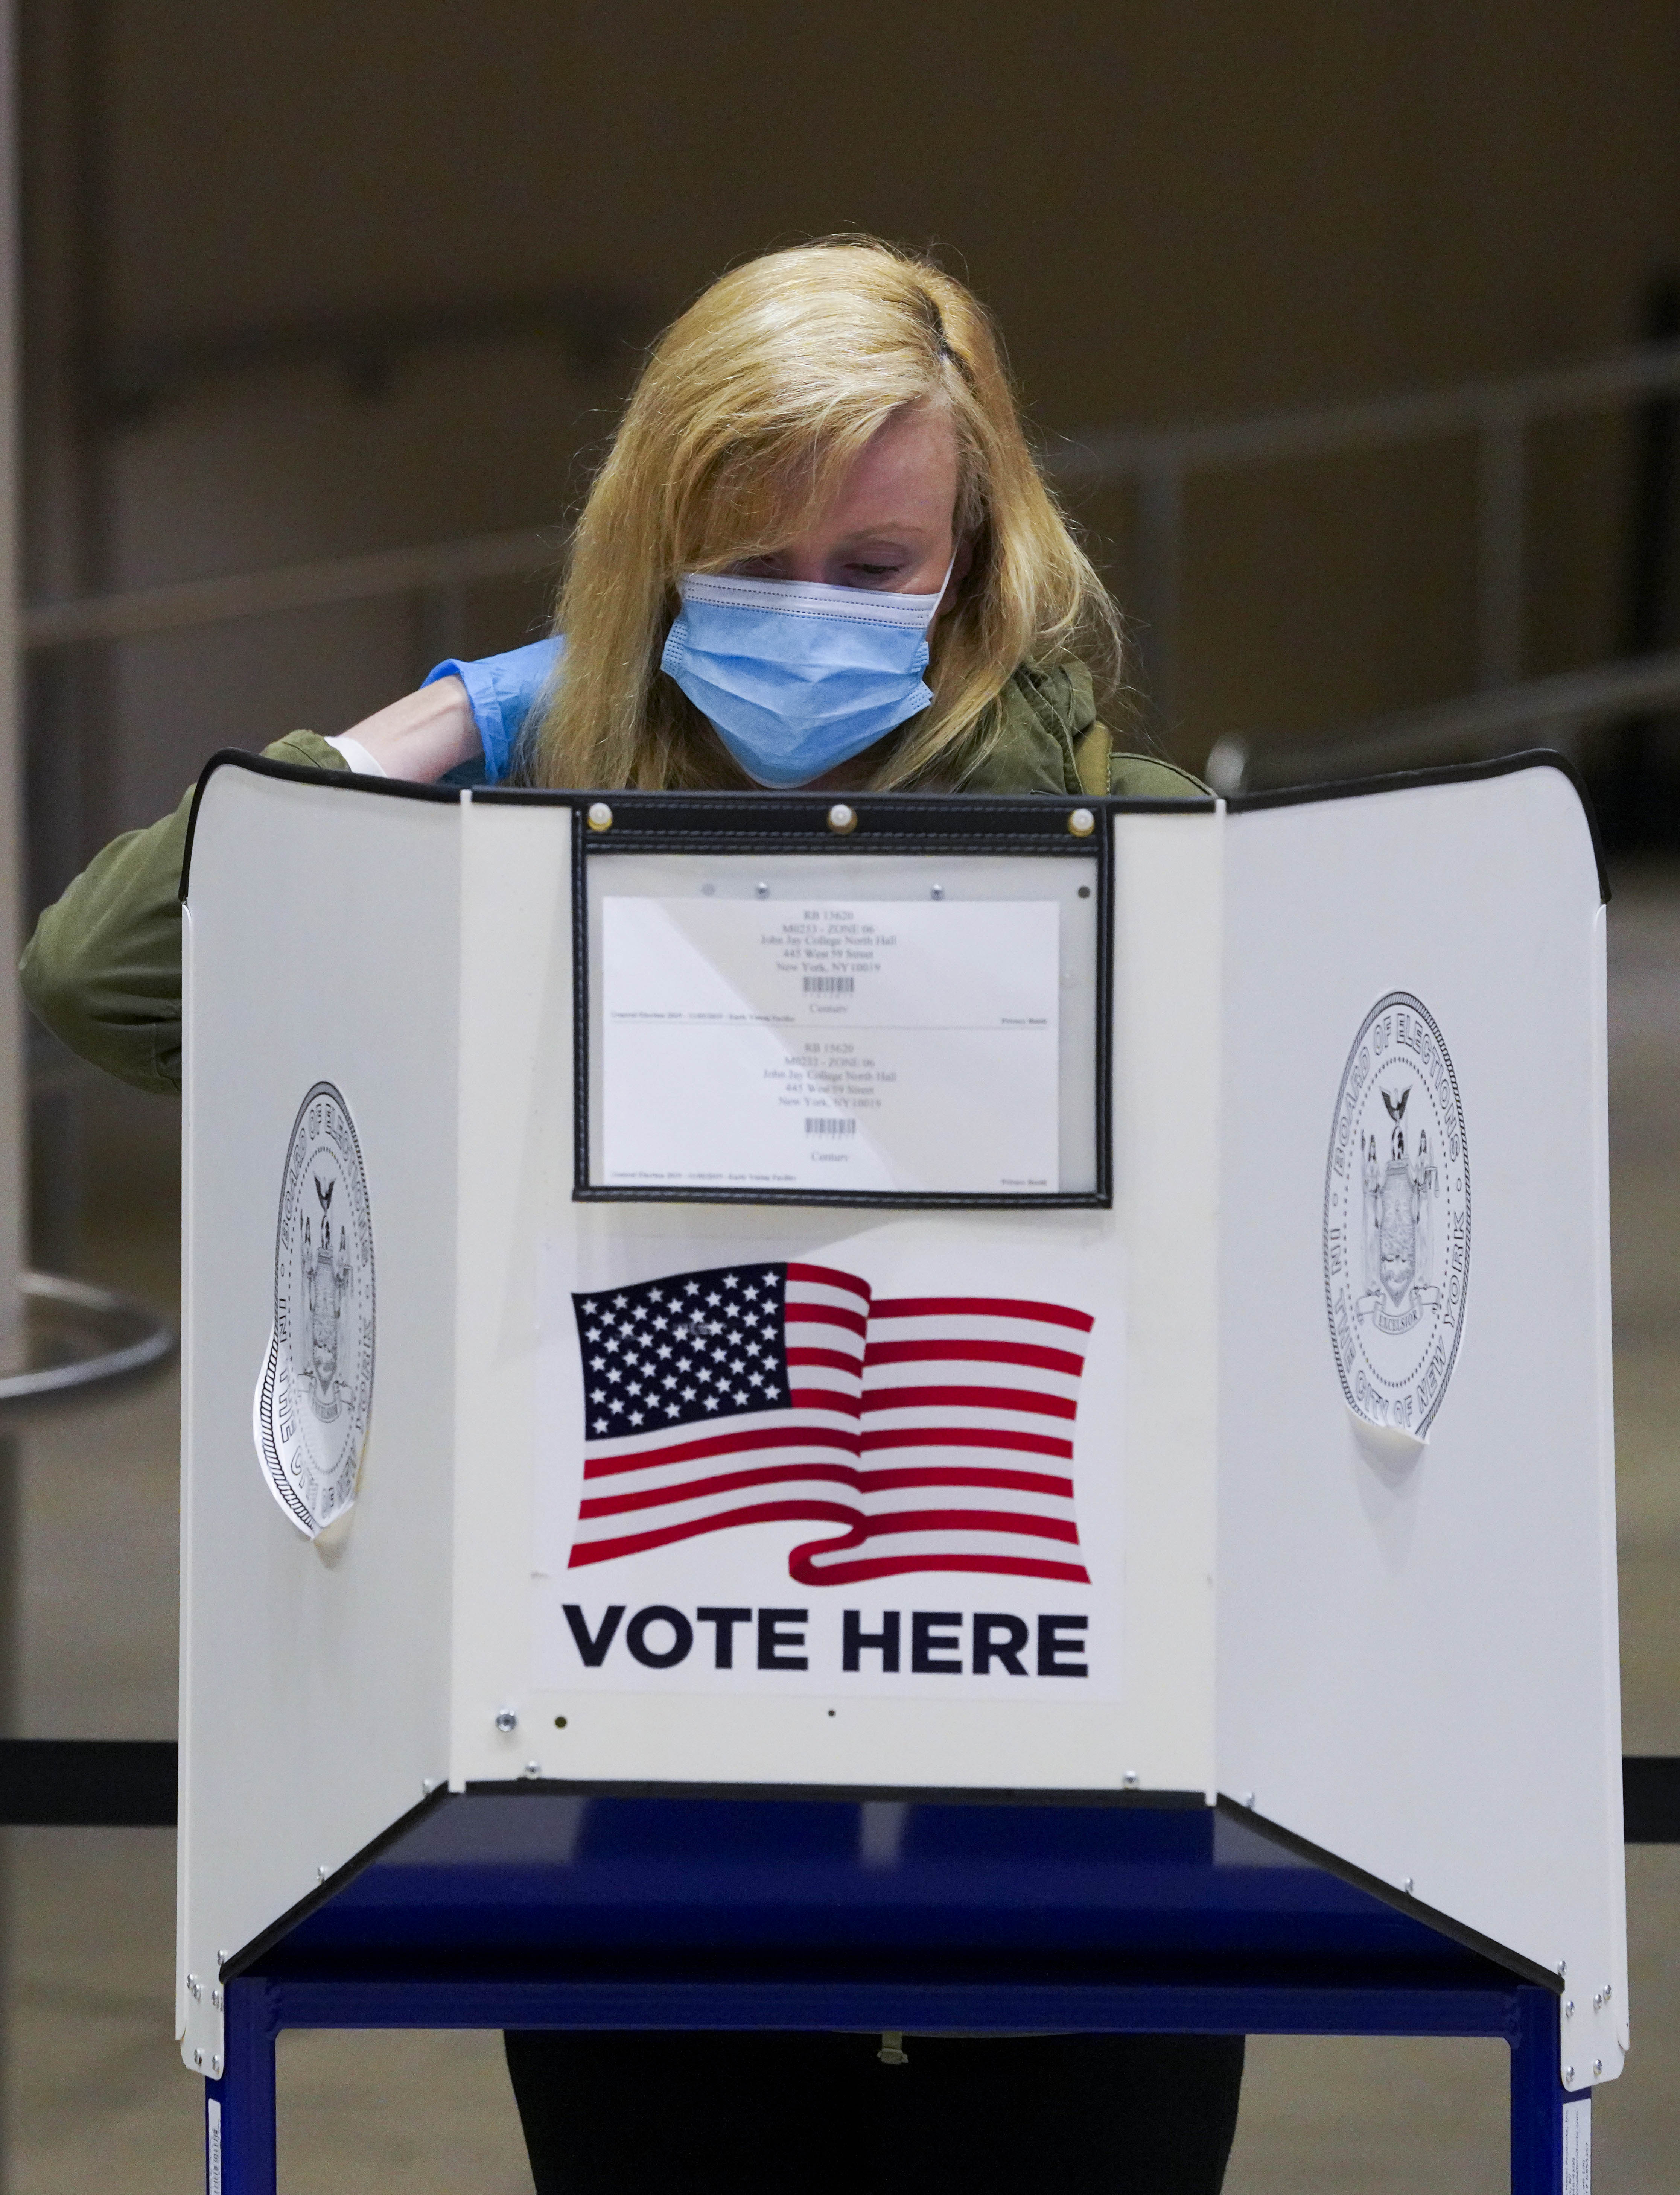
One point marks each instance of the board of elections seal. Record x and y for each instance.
(1397, 1218)
(316, 1388)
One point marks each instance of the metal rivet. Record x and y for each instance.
(194, 1987)
(1598, 2000)
(1568, 2076)
(322, 1874)
(763, 891)
(1568, 2007)
(559, 1722)
(1130, 1779)
(1562, 1969)
(506, 1720)
(1082, 822)
(216, 2064)
(1248, 1799)
(842, 818)
(936, 891)
(534, 1768)
(1598, 2065)
(600, 816)
(216, 1998)
(1406, 1886)
(198, 2056)
(1607, 1992)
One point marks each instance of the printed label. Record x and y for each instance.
(1577, 2148)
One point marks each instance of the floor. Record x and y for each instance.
(96, 2097)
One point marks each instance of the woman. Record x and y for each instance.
(821, 489)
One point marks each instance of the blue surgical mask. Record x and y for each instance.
(795, 676)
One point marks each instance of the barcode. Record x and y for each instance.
(831, 982)
(826, 1124)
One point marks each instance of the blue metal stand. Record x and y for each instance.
(500, 1912)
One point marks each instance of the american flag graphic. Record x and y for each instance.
(927, 1432)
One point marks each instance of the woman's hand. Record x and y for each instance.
(422, 734)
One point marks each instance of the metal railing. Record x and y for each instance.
(1498, 415)
(1157, 464)
(1554, 712)
(384, 575)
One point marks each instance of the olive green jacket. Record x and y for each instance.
(103, 969)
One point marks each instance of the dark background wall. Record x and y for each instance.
(1177, 210)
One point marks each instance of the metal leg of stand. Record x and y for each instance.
(1550, 2142)
(239, 2150)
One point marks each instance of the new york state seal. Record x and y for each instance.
(1397, 1218)
(317, 1387)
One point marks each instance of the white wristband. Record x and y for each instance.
(360, 762)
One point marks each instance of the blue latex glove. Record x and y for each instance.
(503, 690)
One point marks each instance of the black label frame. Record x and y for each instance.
(932, 825)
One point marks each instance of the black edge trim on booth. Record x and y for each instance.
(687, 823)
(1040, 815)
(842, 1794)
(1455, 773)
(301, 773)
(277, 1931)
(1525, 1970)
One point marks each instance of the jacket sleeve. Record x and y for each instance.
(1150, 777)
(103, 969)
(1101, 767)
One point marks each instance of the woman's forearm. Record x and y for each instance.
(422, 734)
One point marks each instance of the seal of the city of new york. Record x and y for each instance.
(1397, 1218)
(317, 1387)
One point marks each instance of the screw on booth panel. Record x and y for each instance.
(506, 1720)
(1568, 2007)
(216, 2065)
(533, 1769)
(198, 2056)
(1598, 2065)
(1568, 2076)
(1130, 1780)
(600, 816)
(1406, 1886)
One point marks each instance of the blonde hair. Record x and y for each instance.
(747, 415)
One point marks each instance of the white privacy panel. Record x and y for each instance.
(323, 929)
(722, 1655)
(1417, 1665)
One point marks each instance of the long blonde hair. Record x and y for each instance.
(746, 416)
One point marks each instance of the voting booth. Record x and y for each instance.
(898, 1412)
